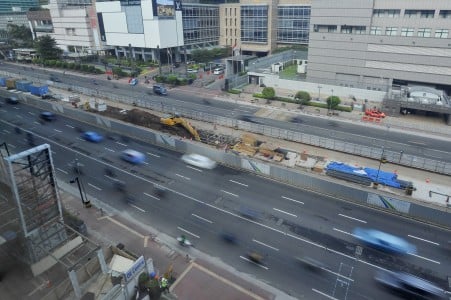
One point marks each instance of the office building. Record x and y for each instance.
(14, 12)
(200, 26)
(379, 44)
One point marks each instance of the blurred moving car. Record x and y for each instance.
(92, 136)
(310, 263)
(133, 156)
(12, 100)
(198, 160)
(229, 237)
(409, 286)
(47, 116)
(160, 90)
(255, 257)
(384, 241)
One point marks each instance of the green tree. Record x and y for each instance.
(46, 48)
(333, 102)
(302, 97)
(269, 93)
(19, 36)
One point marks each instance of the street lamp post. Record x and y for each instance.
(319, 92)
(382, 159)
(159, 59)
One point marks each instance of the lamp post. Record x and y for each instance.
(382, 159)
(319, 92)
(159, 59)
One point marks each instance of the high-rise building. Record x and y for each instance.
(10, 6)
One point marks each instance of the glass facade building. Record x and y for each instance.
(293, 24)
(200, 25)
(9, 6)
(254, 23)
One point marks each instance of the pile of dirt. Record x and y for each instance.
(144, 119)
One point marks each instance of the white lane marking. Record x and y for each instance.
(253, 262)
(57, 130)
(108, 149)
(96, 187)
(111, 178)
(67, 125)
(243, 184)
(234, 195)
(138, 208)
(20, 117)
(31, 113)
(342, 231)
(337, 274)
(279, 210)
(324, 294)
(61, 170)
(300, 202)
(37, 123)
(418, 143)
(152, 196)
(80, 139)
(145, 162)
(121, 144)
(151, 154)
(189, 232)
(196, 169)
(6, 131)
(203, 219)
(11, 145)
(16, 107)
(355, 219)
(424, 240)
(266, 245)
(184, 177)
(2, 110)
(425, 258)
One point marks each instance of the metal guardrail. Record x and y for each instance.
(413, 161)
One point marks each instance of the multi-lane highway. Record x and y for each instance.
(392, 140)
(202, 204)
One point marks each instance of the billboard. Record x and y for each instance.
(164, 8)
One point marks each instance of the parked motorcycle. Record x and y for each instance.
(183, 241)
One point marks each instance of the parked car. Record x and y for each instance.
(383, 241)
(198, 160)
(192, 71)
(12, 100)
(374, 113)
(133, 156)
(160, 90)
(47, 116)
(218, 71)
(409, 286)
(92, 136)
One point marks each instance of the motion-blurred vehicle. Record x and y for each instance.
(12, 100)
(177, 120)
(409, 286)
(384, 241)
(249, 213)
(183, 241)
(198, 160)
(229, 237)
(310, 263)
(120, 186)
(255, 257)
(159, 190)
(160, 90)
(92, 136)
(249, 118)
(133, 156)
(47, 116)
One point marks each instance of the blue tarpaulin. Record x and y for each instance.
(382, 177)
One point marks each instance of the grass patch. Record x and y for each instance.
(289, 71)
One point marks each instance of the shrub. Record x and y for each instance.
(302, 97)
(58, 64)
(333, 101)
(171, 79)
(269, 93)
(234, 91)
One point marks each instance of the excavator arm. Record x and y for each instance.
(172, 121)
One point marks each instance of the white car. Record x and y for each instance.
(198, 160)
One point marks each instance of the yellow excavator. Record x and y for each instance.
(177, 120)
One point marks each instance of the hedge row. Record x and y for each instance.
(69, 65)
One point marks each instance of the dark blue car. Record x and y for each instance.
(92, 136)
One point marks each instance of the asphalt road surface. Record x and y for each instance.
(408, 144)
(278, 221)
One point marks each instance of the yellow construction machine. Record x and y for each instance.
(177, 120)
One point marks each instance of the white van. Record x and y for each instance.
(218, 71)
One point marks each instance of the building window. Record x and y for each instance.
(332, 28)
(374, 30)
(254, 23)
(378, 13)
(441, 33)
(410, 13)
(235, 21)
(427, 14)
(346, 29)
(226, 22)
(445, 14)
(424, 32)
(391, 31)
(359, 30)
(407, 32)
(393, 13)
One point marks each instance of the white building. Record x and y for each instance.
(140, 29)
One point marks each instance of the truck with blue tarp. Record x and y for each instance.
(39, 90)
(23, 85)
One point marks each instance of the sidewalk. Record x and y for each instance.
(197, 276)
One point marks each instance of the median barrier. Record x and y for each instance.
(308, 181)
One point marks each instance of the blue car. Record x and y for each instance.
(92, 136)
(384, 241)
(133, 156)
